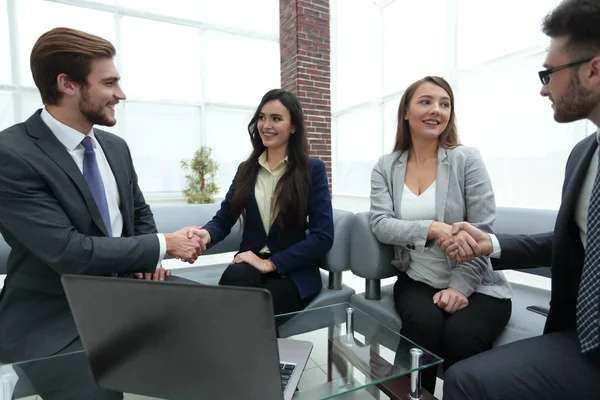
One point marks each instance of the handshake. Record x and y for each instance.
(462, 241)
(188, 243)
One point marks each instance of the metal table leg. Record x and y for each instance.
(8, 382)
(415, 376)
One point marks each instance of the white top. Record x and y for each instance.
(71, 139)
(430, 266)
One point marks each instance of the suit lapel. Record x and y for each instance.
(441, 183)
(573, 184)
(397, 180)
(117, 165)
(54, 149)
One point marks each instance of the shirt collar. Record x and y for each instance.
(262, 160)
(69, 137)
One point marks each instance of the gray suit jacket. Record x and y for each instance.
(463, 193)
(51, 222)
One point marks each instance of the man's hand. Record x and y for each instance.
(159, 275)
(465, 246)
(249, 257)
(451, 246)
(184, 248)
(450, 300)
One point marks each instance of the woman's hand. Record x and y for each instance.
(450, 300)
(199, 231)
(249, 257)
(452, 246)
(465, 246)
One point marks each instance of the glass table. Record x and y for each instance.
(353, 354)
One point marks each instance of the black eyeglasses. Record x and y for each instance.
(545, 74)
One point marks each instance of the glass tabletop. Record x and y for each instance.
(351, 351)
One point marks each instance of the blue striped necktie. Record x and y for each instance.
(91, 174)
(588, 300)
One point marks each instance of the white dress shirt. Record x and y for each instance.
(581, 208)
(71, 139)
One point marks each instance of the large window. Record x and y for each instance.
(380, 47)
(193, 72)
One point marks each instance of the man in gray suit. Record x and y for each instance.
(69, 198)
(564, 363)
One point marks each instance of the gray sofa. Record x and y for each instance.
(356, 247)
(170, 218)
(173, 217)
(371, 260)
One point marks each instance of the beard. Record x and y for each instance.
(95, 114)
(576, 103)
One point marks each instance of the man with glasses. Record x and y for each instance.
(564, 363)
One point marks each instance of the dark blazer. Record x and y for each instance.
(561, 249)
(294, 253)
(51, 222)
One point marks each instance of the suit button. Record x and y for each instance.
(408, 246)
(413, 247)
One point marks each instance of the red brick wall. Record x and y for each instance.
(305, 68)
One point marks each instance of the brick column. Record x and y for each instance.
(305, 68)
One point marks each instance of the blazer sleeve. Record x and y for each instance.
(220, 226)
(385, 226)
(524, 251)
(481, 212)
(33, 217)
(319, 240)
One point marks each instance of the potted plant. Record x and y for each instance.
(200, 177)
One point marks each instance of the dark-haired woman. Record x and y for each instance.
(280, 193)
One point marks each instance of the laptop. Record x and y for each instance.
(182, 340)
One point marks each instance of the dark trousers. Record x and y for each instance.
(453, 337)
(544, 367)
(285, 295)
(68, 377)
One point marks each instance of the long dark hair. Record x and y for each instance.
(448, 139)
(292, 188)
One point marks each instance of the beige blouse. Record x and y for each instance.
(266, 182)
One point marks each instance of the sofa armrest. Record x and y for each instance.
(337, 259)
(369, 258)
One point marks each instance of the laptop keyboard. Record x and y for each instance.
(286, 370)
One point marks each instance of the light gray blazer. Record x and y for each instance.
(463, 193)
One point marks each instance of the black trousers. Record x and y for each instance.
(545, 367)
(285, 295)
(453, 337)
